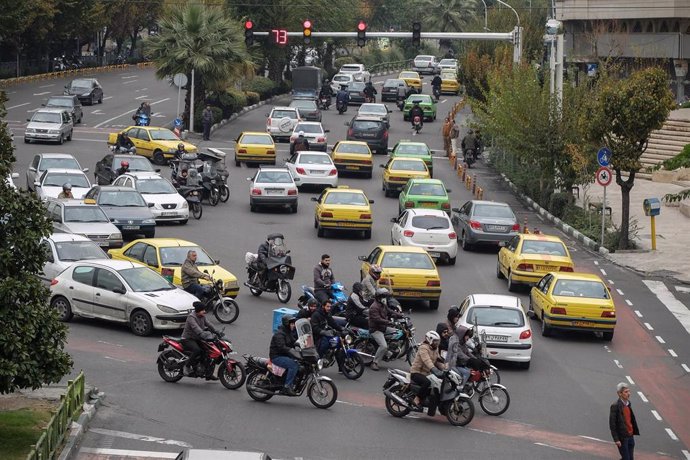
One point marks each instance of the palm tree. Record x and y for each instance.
(204, 39)
(447, 15)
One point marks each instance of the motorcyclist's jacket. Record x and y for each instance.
(425, 360)
(190, 273)
(416, 111)
(458, 352)
(436, 82)
(321, 322)
(195, 325)
(323, 277)
(282, 343)
(342, 96)
(355, 307)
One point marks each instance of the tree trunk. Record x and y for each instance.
(328, 57)
(134, 36)
(626, 186)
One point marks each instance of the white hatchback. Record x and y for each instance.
(313, 133)
(312, 168)
(63, 249)
(168, 205)
(49, 185)
(430, 229)
(281, 121)
(503, 320)
(340, 79)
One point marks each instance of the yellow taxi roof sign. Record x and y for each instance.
(89, 201)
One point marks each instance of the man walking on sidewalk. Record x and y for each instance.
(454, 134)
(622, 423)
(446, 135)
(207, 121)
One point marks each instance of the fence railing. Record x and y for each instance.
(388, 66)
(71, 404)
(68, 73)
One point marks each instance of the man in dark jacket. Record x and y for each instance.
(282, 350)
(104, 170)
(306, 313)
(379, 324)
(622, 423)
(197, 328)
(357, 310)
(323, 279)
(207, 121)
(323, 327)
(446, 328)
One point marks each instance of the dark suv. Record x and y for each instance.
(70, 103)
(371, 130)
(88, 90)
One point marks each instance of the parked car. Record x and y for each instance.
(70, 103)
(281, 121)
(340, 79)
(126, 208)
(63, 249)
(84, 218)
(43, 161)
(88, 90)
(358, 72)
(49, 125)
(312, 168)
(371, 130)
(307, 109)
(480, 221)
(168, 205)
(50, 184)
(430, 229)
(425, 63)
(272, 186)
(313, 132)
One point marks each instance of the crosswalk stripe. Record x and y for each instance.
(128, 453)
(676, 307)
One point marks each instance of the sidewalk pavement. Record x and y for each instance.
(672, 256)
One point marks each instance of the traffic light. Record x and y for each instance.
(361, 33)
(307, 31)
(248, 32)
(416, 33)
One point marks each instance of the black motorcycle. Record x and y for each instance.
(193, 196)
(274, 275)
(341, 106)
(324, 102)
(224, 308)
(437, 93)
(469, 156)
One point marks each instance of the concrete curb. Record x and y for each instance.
(79, 428)
(565, 228)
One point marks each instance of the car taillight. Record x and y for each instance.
(385, 134)
(558, 311)
(333, 172)
(292, 191)
(300, 171)
(525, 334)
(608, 314)
(475, 225)
(321, 139)
(408, 233)
(365, 216)
(409, 204)
(256, 191)
(566, 269)
(445, 205)
(326, 214)
(350, 131)
(270, 152)
(526, 267)
(268, 122)
(516, 227)
(433, 283)
(242, 151)
(53, 282)
(453, 236)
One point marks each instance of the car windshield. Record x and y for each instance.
(155, 186)
(303, 104)
(427, 190)
(495, 316)
(342, 78)
(408, 165)
(121, 198)
(311, 129)
(273, 177)
(71, 251)
(393, 83)
(59, 102)
(176, 256)
(412, 149)
(80, 85)
(552, 248)
(447, 62)
(135, 163)
(423, 58)
(366, 125)
(350, 68)
(142, 279)
(431, 222)
(47, 117)
(373, 108)
(448, 76)
(412, 260)
(351, 198)
(256, 139)
(409, 75)
(85, 214)
(310, 159)
(62, 163)
(580, 288)
(353, 148)
(492, 210)
(163, 135)
(57, 179)
(356, 86)
(421, 98)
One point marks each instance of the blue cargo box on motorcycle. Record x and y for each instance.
(278, 314)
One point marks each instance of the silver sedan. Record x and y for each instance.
(484, 222)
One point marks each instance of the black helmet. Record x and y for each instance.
(286, 320)
(312, 302)
(198, 306)
(381, 293)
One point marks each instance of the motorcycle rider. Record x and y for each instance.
(326, 93)
(123, 169)
(426, 359)
(446, 328)
(370, 283)
(66, 193)
(104, 170)
(191, 275)
(282, 352)
(343, 96)
(181, 179)
(300, 144)
(416, 111)
(307, 312)
(144, 109)
(357, 310)
(379, 325)
(180, 150)
(459, 356)
(262, 255)
(123, 142)
(436, 84)
(323, 326)
(370, 92)
(323, 279)
(469, 142)
(197, 328)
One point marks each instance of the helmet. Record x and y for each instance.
(301, 134)
(381, 293)
(66, 186)
(416, 102)
(375, 271)
(431, 336)
(124, 164)
(286, 320)
(198, 306)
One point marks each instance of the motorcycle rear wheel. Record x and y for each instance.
(460, 412)
(169, 374)
(395, 409)
(197, 211)
(224, 193)
(322, 399)
(227, 312)
(284, 291)
(213, 197)
(494, 401)
(257, 379)
(353, 366)
(232, 380)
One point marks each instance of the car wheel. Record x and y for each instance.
(252, 207)
(465, 245)
(140, 323)
(545, 328)
(293, 208)
(238, 163)
(69, 138)
(63, 308)
(433, 304)
(158, 158)
(27, 141)
(93, 100)
(608, 336)
(451, 260)
(368, 175)
(499, 273)
(511, 284)
(150, 233)
(100, 99)
(320, 232)
(183, 222)
(61, 140)
(525, 366)
(367, 234)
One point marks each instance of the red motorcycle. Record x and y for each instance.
(216, 352)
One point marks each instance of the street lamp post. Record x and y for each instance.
(486, 18)
(517, 50)
(554, 33)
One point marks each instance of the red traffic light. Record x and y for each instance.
(307, 24)
(248, 25)
(362, 26)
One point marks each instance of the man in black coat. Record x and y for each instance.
(281, 352)
(622, 423)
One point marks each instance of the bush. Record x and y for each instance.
(263, 86)
(682, 160)
(589, 224)
(559, 202)
(252, 97)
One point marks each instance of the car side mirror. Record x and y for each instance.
(85, 170)
(530, 314)
(326, 130)
(371, 201)
(157, 170)
(206, 271)
(43, 105)
(362, 258)
(32, 169)
(382, 166)
(37, 184)
(119, 290)
(448, 190)
(249, 179)
(28, 119)
(394, 220)
(150, 205)
(456, 210)
(268, 115)
(217, 261)
(502, 244)
(390, 149)
(314, 199)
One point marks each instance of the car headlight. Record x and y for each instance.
(86, 95)
(284, 269)
(115, 236)
(165, 309)
(185, 205)
(231, 285)
(319, 364)
(149, 221)
(30, 130)
(53, 131)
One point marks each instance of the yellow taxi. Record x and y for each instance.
(159, 144)
(573, 301)
(166, 256)
(526, 258)
(449, 82)
(255, 147)
(408, 272)
(343, 208)
(412, 79)
(399, 170)
(353, 157)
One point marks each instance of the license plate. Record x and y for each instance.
(169, 213)
(352, 167)
(315, 172)
(347, 224)
(274, 192)
(496, 338)
(104, 243)
(130, 227)
(410, 294)
(545, 268)
(435, 254)
(583, 324)
(495, 228)
(428, 205)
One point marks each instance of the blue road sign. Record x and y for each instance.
(604, 157)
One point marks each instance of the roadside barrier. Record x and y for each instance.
(68, 411)
(69, 73)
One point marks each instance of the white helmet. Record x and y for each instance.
(430, 336)
(300, 134)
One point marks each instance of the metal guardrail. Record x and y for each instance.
(68, 73)
(53, 435)
(388, 66)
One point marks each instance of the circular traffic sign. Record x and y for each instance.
(604, 176)
(180, 79)
(604, 156)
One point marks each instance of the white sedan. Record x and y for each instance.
(168, 205)
(312, 168)
(430, 229)
(63, 249)
(313, 132)
(122, 292)
(49, 185)
(503, 320)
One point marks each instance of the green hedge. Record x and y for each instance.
(263, 86)
(252, 97)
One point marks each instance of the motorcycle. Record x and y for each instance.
(193, 196)
(324, 103)
(338, 298)
(469, 157)
(278, 271)
(370, 98)
(417, 124)
(224, 308)
(353, 364)
(494, 398)
(265, 379)
(214, 168)
(445, 393)
(141, 119)
(341, 106)
(401, 342)
(216, 352)
(437, 93)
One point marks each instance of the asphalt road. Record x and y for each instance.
(559, 408)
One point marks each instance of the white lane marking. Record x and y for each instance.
(648, 326)
(443, 101)
(672, 352)
(620, 366)
(128, 453)
(656, 415)
(139, 437)
(553, 447)
(42, 94)
(593, 439)
(683, 289)
(658, 337)
(140, 90)
(606, 347)
(47, 86)
(32, 111)
(603, 272)
(671, 434)
(629, 303)
(87, 140)
(18, 105)
(126, 113)
(637, 312)
(642, 396)
(619, 291)
(632, 382)
(115, 359)
(348, 403)
(129, 76)
(481, 431)
(685, 367)
(106, 98)
(97, 112)
(611, 282)
(142, 97)
(596, 262)
(108, 343)
(129, 81)
(686, 453)
(673, 305)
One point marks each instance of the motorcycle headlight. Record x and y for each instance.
(348, 339)
(319, 364)
(284, 269)
(165, 309)
(149, 221)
